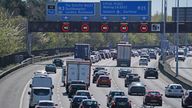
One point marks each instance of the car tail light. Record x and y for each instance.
(113, 103)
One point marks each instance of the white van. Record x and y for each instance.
(42, 81)
(39, 93)
(181, 55)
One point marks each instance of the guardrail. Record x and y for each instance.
(165, 68)
(31, 61)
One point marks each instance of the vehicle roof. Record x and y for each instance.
(77, 81)
(82, 91)
(100, 72)
(77, 84)
(120, 97)
(116, 91)
(89, 100)
(137, 84)
(125, 69)
(79, 96)
(41, 88)
(153, 91)
(143, 58)
(50, 101)
(104, 76)
(175, 85)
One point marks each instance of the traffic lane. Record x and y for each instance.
(12, 85)
(185, 69)
(100, 93)
(158, 84)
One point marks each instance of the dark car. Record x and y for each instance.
(187, 99)
(123, 72)
(131, 78)
(152, 98)
(58, 62)
(98, 69)
(89, 103)
(96, 76)
(74, 87)
(120, 102)
(113, 93)
(152, 55)
(83, 93)
(74, 82)
(50, 68)
(151, 72)
(76, 101)
(137, 88)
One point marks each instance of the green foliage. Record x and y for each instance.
(11, 33)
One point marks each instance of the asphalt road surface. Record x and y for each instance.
(15, 86)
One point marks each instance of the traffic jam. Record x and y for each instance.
(79, 73)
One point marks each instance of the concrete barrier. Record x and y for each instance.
(30, 61)
(165, 68)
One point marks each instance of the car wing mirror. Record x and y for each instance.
(52, 87)
(29, 93)
(30, 85)
(56, 104)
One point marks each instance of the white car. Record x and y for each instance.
(46, 104)
(175, 90)
(143, 61)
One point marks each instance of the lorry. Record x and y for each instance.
(82, 51)
(78, 70)
(124, 54)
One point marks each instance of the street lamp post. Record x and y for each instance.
(177, 40)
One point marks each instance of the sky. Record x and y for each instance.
(156, 4)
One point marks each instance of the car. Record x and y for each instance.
(113, 93)
(98, 69)
(96, 76)
(58, 62)
(103, 80)
(93, 58)
(137, 88)
(123, 72)
(114, 56)
(50, 68)
(152, 98)
(89, 103)
(131, 78)
(74, 82)
(40, 73)
(143, 61)
(76, 100)
(38, 93)
(145, 56)
(120, 102)
(152, 55)
(83, 93)
(46, 104)
(181, 55)
(174, 90)
(186, 99)
(151, 72)
(74, 87)
(189, 54)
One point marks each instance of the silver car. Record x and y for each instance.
(174, 90)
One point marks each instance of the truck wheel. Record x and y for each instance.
(97, 85)
(156, 77)
(110, 85)
(145, 77)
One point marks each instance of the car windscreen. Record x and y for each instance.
(154, 93)
(78, 99)
(79, 87)
(90, 103)
(46, 104)
(175, 87)
(41, 92)
(121, 99)
(117, 94)
(104, 78)
(83, 93)
(138, 89)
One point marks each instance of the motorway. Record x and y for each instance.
(15, 86)
(185, 68)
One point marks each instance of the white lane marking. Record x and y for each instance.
(23, 93)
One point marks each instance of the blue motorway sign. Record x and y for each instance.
(129, 8)
(76, 8)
